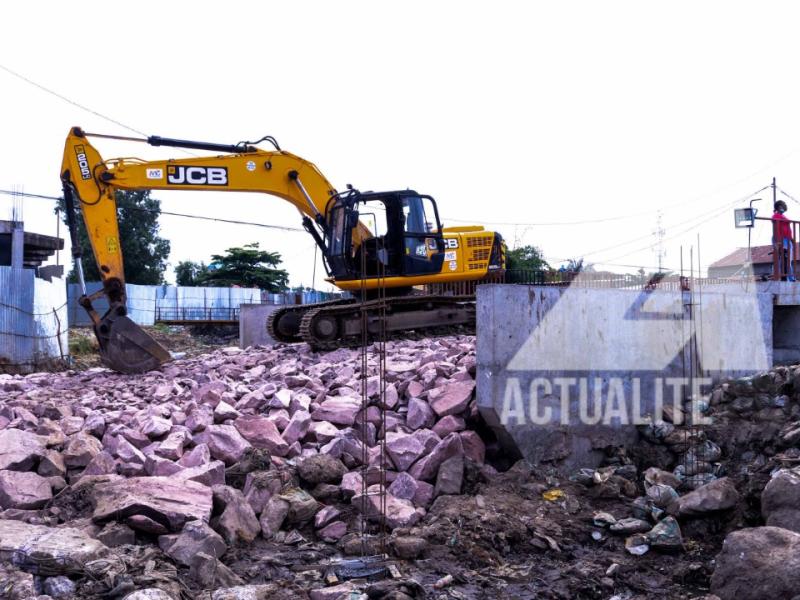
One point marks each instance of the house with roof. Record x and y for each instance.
(733, 265)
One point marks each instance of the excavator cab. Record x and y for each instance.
(382, 234)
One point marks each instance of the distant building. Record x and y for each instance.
(733, 265)
(33, 301)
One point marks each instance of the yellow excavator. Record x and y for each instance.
(381, 246)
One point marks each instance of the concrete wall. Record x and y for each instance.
(253, 325)
(546, 353)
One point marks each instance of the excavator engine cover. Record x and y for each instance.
(126, 347)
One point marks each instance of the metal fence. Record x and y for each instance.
(587, 279)
(33, 320)
(150, 304)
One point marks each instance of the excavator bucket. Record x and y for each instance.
(126, 347)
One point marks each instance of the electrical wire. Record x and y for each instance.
(69, 100)
(166, 212)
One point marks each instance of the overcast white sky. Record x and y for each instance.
(508, 113)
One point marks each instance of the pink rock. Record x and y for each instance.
(453, 398)
(326, 515)
(209, 474)
(420, 415)
(23, 490)
(19, 450)
(259, 487)
(135, 437)
(297, 427)
(102, 464)
(427, 467)
(199, 418)
(281, 399)
(322, 431)
(172, 446)
(424, 494)
(448, 425)
(337, 409)
(404, 449)
(337, 592)
(399, 513)
(155, 427)
(225, 442)
(279, 416)
(129, 453)
(261, 433)
(157, 466)
(414, 389)
(474, 448)
(82, 448)
(95, 425)
(333, 532)
(428, 438)
(224, 411)
(351, 484)
(167, 500)
(71, 425)
(404, 487)
(450, 476)
(199, 455)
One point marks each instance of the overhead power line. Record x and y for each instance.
(165, 212)
(70, 101)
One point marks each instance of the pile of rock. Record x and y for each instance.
(218, 450)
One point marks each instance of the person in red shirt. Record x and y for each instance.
(784, 239)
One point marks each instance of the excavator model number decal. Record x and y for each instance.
(183, 175)
(83, 162)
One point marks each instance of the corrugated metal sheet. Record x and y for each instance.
(33, 319)
(149, 303)
(16, 323)
(141, 303)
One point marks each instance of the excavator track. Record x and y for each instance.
(283, 324)
(331, 327)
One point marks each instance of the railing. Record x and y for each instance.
(783, 259)
(585, 279)
(197, 315)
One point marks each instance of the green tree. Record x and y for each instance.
(144, 251)
(526, 258)
(248, 267)
(190, 273)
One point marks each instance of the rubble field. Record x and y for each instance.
(256, 474)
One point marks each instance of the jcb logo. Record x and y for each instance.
(180, 175)
(83, 162)
(451, 243)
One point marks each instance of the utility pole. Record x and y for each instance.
(774, 192)
(659, 233)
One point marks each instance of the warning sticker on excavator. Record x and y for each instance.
(450, 255)
(112, 244)
(453, 265)
(155, 173)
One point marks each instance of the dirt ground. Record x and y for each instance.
(183, 341)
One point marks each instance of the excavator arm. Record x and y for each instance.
(90, 184)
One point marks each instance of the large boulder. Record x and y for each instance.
(321, 468)
(720, 494)
(757, 563)
(23, 490)
(404, 449)
(340, 410)
(48, 551)
(452, 399)
(262, 433)
(238, 520)
(166, 500)
(224, 441)
(20, 450)
(780, 500)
